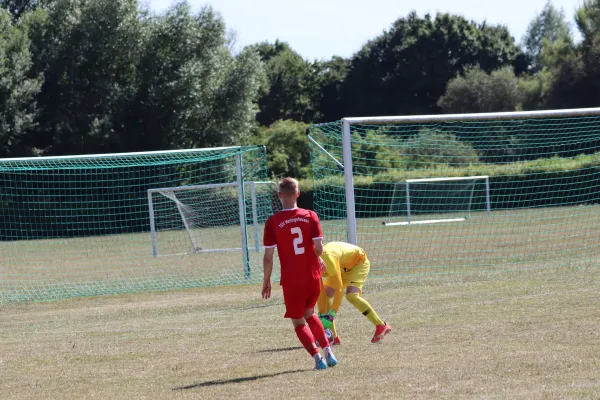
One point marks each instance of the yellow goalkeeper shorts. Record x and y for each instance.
(356, 276)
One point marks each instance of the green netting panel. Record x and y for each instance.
(80, 226)
(527, 196)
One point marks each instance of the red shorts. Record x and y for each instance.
(298, 298)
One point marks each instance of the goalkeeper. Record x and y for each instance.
(346, 268)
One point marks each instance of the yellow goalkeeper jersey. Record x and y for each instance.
(340, 257)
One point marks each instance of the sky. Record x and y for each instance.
(320, 29)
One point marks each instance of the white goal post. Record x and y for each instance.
(408, 203)
(347, 123)
(197, 211)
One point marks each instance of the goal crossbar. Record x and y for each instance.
(207, 186)
(407, 119)
(119, 155)
(458, 178)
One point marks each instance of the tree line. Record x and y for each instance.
(98, 76)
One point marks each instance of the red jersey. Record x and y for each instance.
(292, 232)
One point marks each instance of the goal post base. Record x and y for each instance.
(426, 221)
(210, 251)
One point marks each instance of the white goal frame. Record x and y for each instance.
(407, 183)
(194, 246)
(347, 141)
(240, 183)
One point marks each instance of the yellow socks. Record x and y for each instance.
(364, 307)
(333, 329)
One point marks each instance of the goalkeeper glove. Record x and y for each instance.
(327, 319)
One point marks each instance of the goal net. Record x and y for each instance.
(82, 225)
(199, 218)
(451, 195)
(437, 200)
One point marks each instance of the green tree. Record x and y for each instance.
(572, 66)
(267, 50)
(587, 19)
(406, 69)
(378, 152)
(567, 66)
(87, 52)
(478, 91)
(118, 78)
(549, 25)
(18, 108)
(288, 153)
(329, 77)
(191, 90)
(18, 8)
(535, 89)
(500, 91)
(288, 92)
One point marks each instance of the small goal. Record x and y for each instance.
(438, 200)
(208, 218)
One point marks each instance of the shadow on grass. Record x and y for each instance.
(273, 304)
(254, 306)
(281, 349)
(237, 380)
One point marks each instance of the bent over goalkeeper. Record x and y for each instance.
(347, 268)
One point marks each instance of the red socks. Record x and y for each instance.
(316, 327)
(307, 335)
(307, 339)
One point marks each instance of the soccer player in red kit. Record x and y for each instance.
(297, 235)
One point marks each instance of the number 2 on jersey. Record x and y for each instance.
(298, 249)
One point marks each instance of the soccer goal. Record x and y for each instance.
(89, 225)
(210, 216)
(481, 193)
(438, 200)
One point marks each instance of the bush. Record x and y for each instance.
(288, 153)
(429, 148)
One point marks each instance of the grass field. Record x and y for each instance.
(528, 335)
(494, 307)
(505, 241)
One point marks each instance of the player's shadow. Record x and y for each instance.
(280, 349)
(237, 380)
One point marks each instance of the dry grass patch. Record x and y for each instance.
(532, 335)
